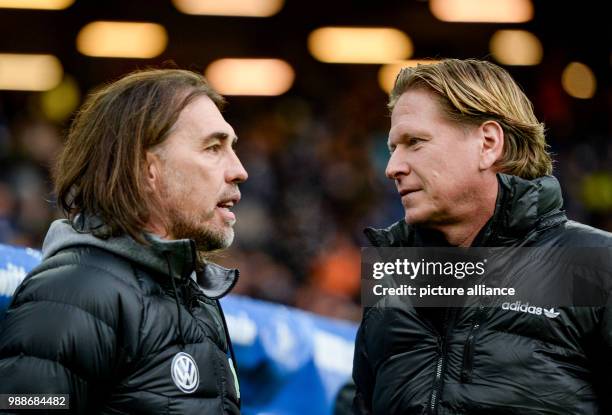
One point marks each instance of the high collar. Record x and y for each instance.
(522, 209)
(176, 258)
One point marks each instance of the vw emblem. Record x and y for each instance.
(185, 372)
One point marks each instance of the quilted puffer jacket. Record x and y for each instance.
(491, 360)
(120, 327)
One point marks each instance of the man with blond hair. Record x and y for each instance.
(122, 316)
(470, 163)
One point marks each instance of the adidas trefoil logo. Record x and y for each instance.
(526, 308)
(550, 312)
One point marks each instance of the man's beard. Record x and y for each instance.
(182, 224)
(185, 226)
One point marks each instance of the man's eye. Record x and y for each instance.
(414, 140)
(214, 148)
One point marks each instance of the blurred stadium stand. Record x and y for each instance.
(315, 153)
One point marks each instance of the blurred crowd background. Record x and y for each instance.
(314, 147)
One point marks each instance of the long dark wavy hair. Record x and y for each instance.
(101, 169)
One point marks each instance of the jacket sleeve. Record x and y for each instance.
(602, 360)
(363, 375)
(59, 335)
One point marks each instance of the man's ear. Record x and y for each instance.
(492, 144)
(152, 171)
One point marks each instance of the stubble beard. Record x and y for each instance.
(184, 224)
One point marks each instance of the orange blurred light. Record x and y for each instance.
(496, 11)
(359, 45)
(579, 81)
(245, 8)
(122, 39)
(266, 77)
(36, 4)
(516, 47)
(388, 73)
(24, 72)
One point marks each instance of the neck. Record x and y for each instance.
(464, 234)
(464, 230)
(156, 228)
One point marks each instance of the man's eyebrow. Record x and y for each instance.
(408, 135)
(221, 136)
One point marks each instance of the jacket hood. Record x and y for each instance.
(522, 207)
(175, 257)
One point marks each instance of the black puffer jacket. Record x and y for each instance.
(490, 360)
(102, 321)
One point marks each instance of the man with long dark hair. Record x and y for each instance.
(122, 315)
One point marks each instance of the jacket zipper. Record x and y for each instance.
(435, 394)
(437, 386)
(197, 299)
(231, 351)
(468, 350)
(468, 355)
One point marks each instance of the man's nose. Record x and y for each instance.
(236, 172)
(397, 165)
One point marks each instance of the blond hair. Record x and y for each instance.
(472, 92)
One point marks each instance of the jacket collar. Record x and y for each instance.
(522, 210)
(177, 258)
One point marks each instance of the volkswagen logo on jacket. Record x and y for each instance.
(185, 372)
